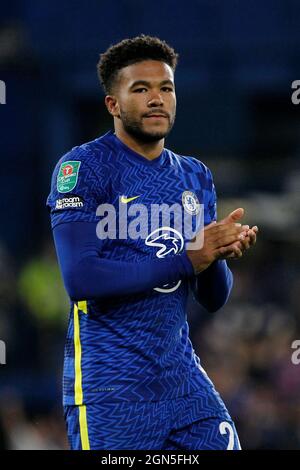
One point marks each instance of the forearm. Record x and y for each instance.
(212, 286)
(88, 275)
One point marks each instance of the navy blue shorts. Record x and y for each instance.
(193, 422)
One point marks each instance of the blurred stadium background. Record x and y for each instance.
(237, 62)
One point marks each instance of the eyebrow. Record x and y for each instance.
(148, 84)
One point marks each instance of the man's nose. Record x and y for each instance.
(156, 100)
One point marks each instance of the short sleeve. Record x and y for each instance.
(76, 190)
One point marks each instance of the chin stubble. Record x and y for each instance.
(135, 128)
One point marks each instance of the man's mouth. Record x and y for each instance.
(156, 116)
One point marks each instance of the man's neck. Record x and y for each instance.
(149, 150)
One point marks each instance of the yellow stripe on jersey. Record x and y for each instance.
(82, 305)
(85, 444)
(84, 434)
(77, 348)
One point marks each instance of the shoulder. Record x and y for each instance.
(94, 155)
(193, 166)
(79, 182)
(201, 180)
(83, 169)
(86, 162)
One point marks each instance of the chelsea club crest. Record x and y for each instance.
(190, 202)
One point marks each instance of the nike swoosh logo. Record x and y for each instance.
(125, 200)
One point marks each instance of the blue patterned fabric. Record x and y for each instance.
(194, 422)
(132, 348)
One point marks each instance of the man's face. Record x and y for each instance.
(146, 97)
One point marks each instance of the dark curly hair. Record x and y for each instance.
(131, 51)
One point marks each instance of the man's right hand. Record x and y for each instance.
(218, 240)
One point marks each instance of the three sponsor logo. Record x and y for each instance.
(166, 241)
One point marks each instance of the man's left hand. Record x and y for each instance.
(238, 248)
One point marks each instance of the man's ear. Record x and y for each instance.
(112, 105)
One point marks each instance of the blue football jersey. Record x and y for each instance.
(132, 347)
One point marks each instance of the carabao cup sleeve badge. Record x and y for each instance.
(67, 176)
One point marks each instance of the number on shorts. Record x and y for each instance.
(224, 428)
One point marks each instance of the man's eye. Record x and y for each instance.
(140, 90)
(166, 88)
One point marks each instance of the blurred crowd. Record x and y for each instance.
(33, 317)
